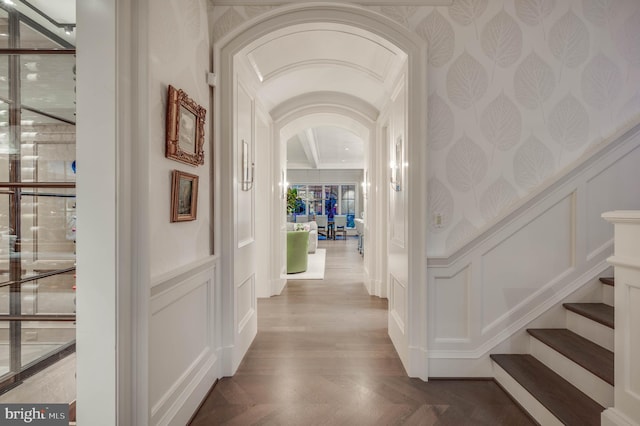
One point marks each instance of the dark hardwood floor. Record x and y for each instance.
(322, 356)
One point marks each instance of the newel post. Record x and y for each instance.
(626, 261)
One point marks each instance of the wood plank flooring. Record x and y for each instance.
(322, 356)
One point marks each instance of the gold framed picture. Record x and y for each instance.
(184, 196)
(185, 128)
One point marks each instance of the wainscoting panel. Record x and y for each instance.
(245, 295)
(527, 261)
(182, 358)
(245, 209)
(398, 309)
(451, 306)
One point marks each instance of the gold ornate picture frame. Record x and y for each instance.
(184, 196)
(185, 128)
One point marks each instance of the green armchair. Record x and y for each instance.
(297, 246)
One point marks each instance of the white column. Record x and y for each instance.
(626, 260)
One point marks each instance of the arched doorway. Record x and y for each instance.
(407, 142)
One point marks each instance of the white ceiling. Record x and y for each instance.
(311, 59)
(325, 148)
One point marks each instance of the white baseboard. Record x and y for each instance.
(613, 417)
(186, 395)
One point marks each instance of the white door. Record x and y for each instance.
(398, 260)
(244, 259)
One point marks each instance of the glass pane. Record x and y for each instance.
(7, 240)
(348, 207)
(315, 192)
(4, 79)
(53, 161)
(51, 295)
(42, 338)
(330, 200)
(348, 192)
(48, 84)
(315, 199)
(48, 231)
(4, 29)
(301, 201)
(4, 337)
(30, 38)
(4, 142)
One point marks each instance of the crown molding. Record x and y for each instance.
(358, 2)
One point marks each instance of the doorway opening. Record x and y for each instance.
(270, 87)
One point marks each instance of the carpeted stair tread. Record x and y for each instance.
(561, 398)
(590, 356)
(598, 312)
(608, 281)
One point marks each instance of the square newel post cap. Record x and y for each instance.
(622, 216)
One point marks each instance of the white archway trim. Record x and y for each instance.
(416, 137)
(318, 118)
(342, 103)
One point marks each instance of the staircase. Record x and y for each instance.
(567, 378)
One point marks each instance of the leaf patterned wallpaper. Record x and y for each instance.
(518, 91)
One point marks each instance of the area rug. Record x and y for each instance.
(315, 267)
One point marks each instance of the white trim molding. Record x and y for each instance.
(550, 247)
(360, 19)
(626, 410)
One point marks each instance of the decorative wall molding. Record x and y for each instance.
(627, 318)
(563, 220)
(183, 361)
(169, 279)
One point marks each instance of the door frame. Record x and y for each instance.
(416, 50)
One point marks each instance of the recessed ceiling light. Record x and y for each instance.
(346, 149)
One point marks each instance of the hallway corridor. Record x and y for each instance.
(322, 356)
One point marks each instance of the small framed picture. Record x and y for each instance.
(184, 196)
(185, 128)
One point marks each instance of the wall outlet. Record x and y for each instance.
(30, 336)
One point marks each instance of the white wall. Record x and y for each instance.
(264, 198)
(498, 139)
(96, 191)
(179, 54)
(184, 358)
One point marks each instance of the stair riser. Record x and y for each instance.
(524, 398)
(608, 295)
(593, 386)
(591, 330)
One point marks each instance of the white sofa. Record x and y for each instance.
(312, 227)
